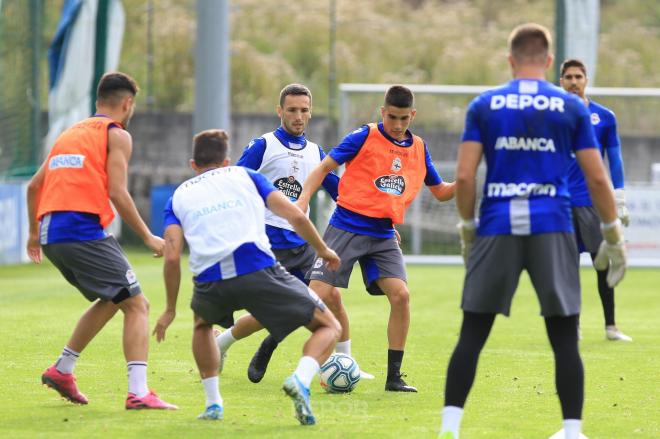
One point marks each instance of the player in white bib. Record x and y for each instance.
(285, 157)
(220, 212)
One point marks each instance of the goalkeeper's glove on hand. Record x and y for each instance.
(612, 252)
(467, 230)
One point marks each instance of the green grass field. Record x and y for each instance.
(513, 397)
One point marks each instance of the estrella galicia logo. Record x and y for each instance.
(289, 186)
(392, 184)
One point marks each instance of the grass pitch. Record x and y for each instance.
(513, 396)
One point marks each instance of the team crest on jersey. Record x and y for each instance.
(391, 184)
(131, 278)
(293, 170)
(595, 119)
(289, 186)
(396, 165)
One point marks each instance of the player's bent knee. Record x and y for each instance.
(332, 299)
(135, 304)
(199, 324)
(325, 319)
(400, 298)
(336, 328)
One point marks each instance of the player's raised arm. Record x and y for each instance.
(313, 182)
(280, 205)
(443, 191)
(120, 147)
(172, 277)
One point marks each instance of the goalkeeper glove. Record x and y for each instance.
(621, 209)
(467, 230)
(612, 252)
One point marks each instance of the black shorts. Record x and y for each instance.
(378, 257)
(98, 268)
(277, 299)
(495, 264)
(587, 228)
(297, 260)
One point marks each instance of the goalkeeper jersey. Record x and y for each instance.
(607, 140)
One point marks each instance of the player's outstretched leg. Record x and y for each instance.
(325, 333)
(261, 358)
(462, 369)
(60, 376)
(243, 327)
(332, 298)
(207, 357)
(136, 348)
(397, 332)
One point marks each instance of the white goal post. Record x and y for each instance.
(430, 227)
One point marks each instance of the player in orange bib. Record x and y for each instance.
(68, 209)
(386, 165)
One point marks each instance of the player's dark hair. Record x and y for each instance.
(115, 86)
(572, 62)
(530, 42)
(210, 147)
(295, 90)
(399, 96)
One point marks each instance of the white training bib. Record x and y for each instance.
(212, 207)
(287, 168)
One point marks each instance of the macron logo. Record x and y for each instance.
(496, 190)
(66, 161)
(525, 143)
(520, 102)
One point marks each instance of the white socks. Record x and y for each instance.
(343, 347)
(137, 378)
(572, 428)
(307, 368)
(225, 340)
(67, 360)
(451, 419)
(212, 390)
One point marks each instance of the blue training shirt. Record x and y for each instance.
(253, 157)
(529, 130)
(353, 222)
(607, 140)
(248, 257)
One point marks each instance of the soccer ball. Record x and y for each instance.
(340, 374)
